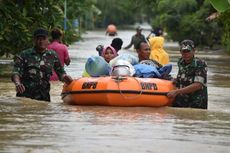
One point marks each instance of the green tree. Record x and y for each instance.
(19, 18)
(120, 12)
(186, 19)
(223, 7)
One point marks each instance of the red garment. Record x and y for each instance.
(62, 52)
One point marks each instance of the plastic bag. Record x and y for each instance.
(126, 57)
(97, 66)
(122, 68)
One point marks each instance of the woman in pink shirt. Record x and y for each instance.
(60, 48)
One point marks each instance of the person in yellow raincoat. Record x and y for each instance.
(156, 45)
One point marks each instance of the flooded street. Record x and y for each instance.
(29, 126)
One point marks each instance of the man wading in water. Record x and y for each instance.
(33, 68)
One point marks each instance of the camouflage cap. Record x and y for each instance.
(187, 45)
(138, 28)
(40, 32)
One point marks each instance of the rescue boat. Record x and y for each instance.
(118, 91)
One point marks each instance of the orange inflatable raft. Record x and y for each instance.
(118, 91)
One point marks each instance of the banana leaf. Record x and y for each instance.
(220, 5)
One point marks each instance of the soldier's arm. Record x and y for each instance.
(67, 79)
(59, 69)
(17, 73)
(130, 44)
(186, 90)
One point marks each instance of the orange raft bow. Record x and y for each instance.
(118, 91)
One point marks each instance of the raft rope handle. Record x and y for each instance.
(119, 79)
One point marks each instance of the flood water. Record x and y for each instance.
(30, 126)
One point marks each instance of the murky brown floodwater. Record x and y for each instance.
(29, 126)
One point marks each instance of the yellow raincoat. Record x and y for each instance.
(157, 52)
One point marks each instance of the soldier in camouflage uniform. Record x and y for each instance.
(33, 68)
(191, 79)
(138, 37)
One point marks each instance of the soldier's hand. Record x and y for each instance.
(19, 87)
(67, 79)
(172, 94)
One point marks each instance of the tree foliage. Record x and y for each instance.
(186, 19)
(120, 12)
(19, 18)
(220, 6)
(223, 7)
(224, 19)
(181, 19)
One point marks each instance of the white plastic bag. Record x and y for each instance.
(126, 57)
(122, 68)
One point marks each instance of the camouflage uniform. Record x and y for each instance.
(196, 71)
(135, 40)
(34, 70)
